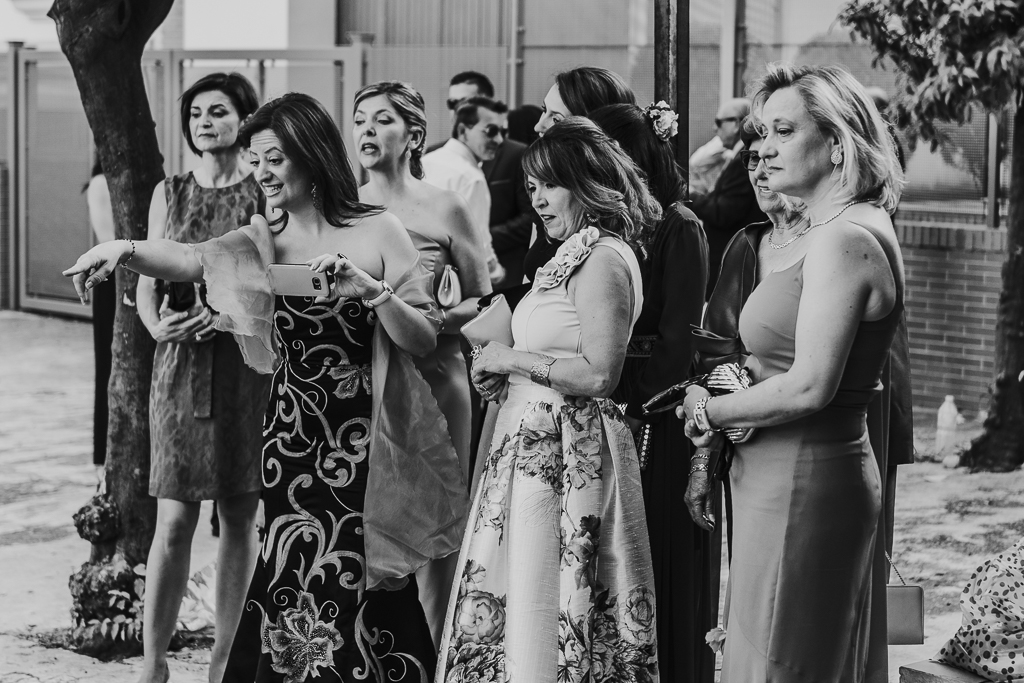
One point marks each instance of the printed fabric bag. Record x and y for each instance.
(990, 641)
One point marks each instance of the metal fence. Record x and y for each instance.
(48, 149)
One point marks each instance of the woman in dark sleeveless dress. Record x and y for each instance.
(205, 405)
(804, 579)
(389, 129)
(674, 268)
(360, 481)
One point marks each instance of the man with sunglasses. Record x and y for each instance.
(512, 218)
(479, 127)
(708, 161)
(731, 205)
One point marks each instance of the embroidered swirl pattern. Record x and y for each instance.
(316, 619)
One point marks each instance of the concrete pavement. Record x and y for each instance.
(46, 474)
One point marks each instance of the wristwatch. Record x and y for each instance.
(380, 298)
(540, 371)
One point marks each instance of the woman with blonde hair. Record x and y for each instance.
(555, 571)
(804, 579)
(389, 127)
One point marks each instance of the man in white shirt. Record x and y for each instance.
(478, 129)
(709, 160)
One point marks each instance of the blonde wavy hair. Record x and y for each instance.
(839, 105)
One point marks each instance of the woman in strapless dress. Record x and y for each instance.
(390, 126)
(804, 585)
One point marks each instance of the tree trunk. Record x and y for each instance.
(103, 40)
(1001, 447)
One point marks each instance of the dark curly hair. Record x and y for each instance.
(608, 186)
(312, 141)
(409, 105)
(236, 86)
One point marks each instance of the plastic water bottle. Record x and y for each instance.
(945, 428)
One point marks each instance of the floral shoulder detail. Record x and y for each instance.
(571, 254)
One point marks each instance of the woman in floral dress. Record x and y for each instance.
(555, 576)
(360, 482)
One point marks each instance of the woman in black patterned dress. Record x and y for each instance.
(361, 484)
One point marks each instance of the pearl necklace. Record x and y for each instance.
(806, 230)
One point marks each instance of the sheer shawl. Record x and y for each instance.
(416, 500)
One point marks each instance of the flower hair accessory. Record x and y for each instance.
(664, 120)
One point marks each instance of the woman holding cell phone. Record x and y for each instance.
(360, 483)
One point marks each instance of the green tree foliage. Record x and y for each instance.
(950, 54)
(953, 55)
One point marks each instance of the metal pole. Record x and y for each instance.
(683, 81)
(672, 66)
(992, 219)
(740, 59)
(665, 55)
(13, 113)
(517, 31)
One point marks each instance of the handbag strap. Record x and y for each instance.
(900, 576)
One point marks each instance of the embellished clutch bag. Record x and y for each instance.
(726, 378)
(494, 323)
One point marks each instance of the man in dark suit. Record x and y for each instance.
(511, 211)
(727, 209)
(511, 218)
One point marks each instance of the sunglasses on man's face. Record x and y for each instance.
(493, 130)
(727, 119)
(750, 159)
(453, 104)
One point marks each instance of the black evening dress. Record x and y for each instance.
(660, 354)
(361, 484)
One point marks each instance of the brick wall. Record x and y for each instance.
(952, 290)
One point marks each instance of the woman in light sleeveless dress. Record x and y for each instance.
(555, 578)
(806, 597)
(389, 132)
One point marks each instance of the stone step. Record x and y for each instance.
(933, 672)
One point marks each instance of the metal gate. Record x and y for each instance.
(47, 147)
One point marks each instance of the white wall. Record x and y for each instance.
(236, 24)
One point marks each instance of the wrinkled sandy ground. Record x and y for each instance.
(947, 521)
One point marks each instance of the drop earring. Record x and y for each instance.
(318, 203)
(837, 157)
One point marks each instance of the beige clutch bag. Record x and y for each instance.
(494, 323)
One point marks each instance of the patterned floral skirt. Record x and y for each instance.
(555, 580)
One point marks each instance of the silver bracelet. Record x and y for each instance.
(540, 371)
(700, 416)
(699, 467)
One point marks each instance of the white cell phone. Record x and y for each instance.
(289, 279)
